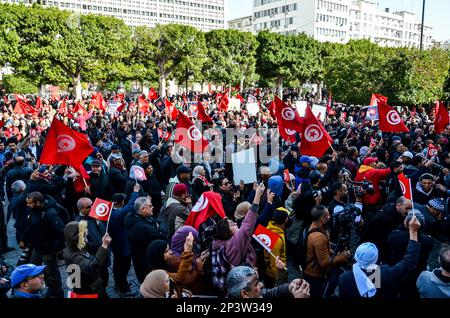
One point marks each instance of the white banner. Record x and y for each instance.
(235, 104)
(253, 109)
(301, 107)
(244, 166)
(319, 111)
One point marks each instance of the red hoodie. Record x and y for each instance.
(375, 176)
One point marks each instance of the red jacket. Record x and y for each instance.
(375, 176)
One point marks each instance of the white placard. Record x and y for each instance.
(253, 109)
(244, 166)
(301, 107)
(319, 109)
(234, 104)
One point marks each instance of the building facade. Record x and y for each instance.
(205, 15)
(340, 21)
(244, 24)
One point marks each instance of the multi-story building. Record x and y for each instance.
(205, 15)
(244, 24)
(340, 21)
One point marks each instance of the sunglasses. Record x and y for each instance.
(226, 183)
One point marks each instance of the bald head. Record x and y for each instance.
(84, 206)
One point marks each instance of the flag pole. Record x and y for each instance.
(331, 145)
(285, 268)
(109, 217)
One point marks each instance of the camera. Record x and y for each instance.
(361, 187)
(344, 230)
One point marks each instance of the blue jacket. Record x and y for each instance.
(117, 230)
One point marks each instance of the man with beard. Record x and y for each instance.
(45, 234)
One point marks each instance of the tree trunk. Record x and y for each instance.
(280, 86)
(77, 87)
(242, 84)
(162, 86)
(319, 89)
(42, 90)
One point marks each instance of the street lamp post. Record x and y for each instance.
(421, 29)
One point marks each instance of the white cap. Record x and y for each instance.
(407, 154)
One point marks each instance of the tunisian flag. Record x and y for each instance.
(62, 107)
(315, 139)
(23, 108)
(38, 102)
(377, 98)
(289, 122)
(271, 108)
(82, 180)
(188, 135)
(152, 94)
(202, 115)
(389, 119)
(143, 105)
(99, 102)
(65, 146)
(441, 121)
(101, 210)
(171, 110)
(432, 151)
(209, 204)
(224, 102)
(405, 185)
(266, 238)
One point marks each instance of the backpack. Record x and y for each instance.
(63, 213)
(220, 267)
(299, 250)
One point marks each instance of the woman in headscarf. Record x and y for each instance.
(159, 283)
(157, 253)
(276, 185)
(199, 182)
(193, 279)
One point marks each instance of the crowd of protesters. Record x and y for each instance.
(344, 227)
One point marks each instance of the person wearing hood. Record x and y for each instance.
(358, 282)
(44, 232)
(278, 225)
(194, 279)
(303, 170)
(160, 283)
(89, 266)
(276, 186)
(200, 183)
(176, 210)
(436, 284)
(426, 189)
(142, 230)
(369, 171)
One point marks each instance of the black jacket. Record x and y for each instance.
(18, 209)
(378, 229)
(16, 173)
(52, 188)
(391, 277)
(100, 186)
(141, 232)
(45, 229)
(118, 179)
